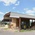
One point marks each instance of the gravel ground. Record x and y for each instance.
(16, 33)
(9, 32)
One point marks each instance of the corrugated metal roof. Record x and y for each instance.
(17, 15)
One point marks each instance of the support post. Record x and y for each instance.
(19, 24)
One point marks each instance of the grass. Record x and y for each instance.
(16, 31)
(6, 28)
(25, 30)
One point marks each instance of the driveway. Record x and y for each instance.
(9, 32)
(16, 33)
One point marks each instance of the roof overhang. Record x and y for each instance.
(17, 15)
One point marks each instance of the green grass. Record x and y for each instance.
(16, 31)
(6, 28)
(25, 30)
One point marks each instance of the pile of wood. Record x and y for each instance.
(33, 27)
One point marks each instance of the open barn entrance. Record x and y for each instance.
(25, 23)
(32, 24)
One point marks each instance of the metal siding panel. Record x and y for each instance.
(17, 15)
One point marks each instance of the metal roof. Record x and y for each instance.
(17, 15)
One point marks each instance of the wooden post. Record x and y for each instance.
(19, 24)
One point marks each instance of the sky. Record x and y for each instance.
(20, 6)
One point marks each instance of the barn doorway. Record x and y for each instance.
(25, 23)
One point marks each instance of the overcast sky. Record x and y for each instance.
(20, 6)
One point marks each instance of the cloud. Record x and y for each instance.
(1, 13)
(8, 2)
(30, 12)
(17, 3)
(1, 18)
(7, 12)
(34, 8)
(25, 9)
(13, 7)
